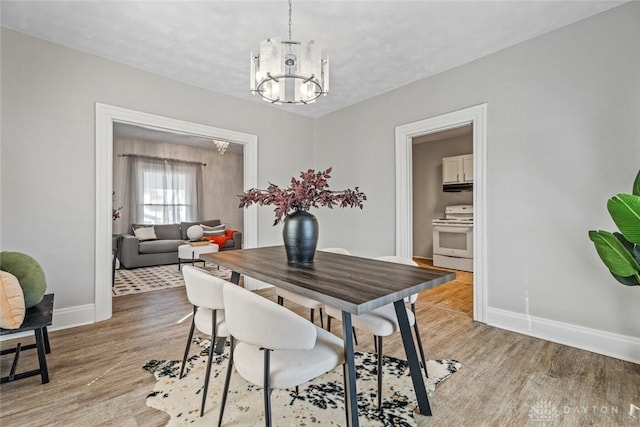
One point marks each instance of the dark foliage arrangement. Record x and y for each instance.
(310, 191)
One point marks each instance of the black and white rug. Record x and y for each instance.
(320, 401)
(147, 279)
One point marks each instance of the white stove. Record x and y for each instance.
(453, 238)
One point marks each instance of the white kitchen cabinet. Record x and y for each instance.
(457, 169)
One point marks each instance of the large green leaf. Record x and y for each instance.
(614, 254)
(636, 185)
(628, 281)
(625, 211)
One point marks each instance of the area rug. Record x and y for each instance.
(147, 279)
(319, 402)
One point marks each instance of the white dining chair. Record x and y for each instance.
(306, 302)
(383, 322)
(204, 292)
(272, 347)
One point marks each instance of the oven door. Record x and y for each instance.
(453, 240)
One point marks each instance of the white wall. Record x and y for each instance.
(562, 137)
(48, 141)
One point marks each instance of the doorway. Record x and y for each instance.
(436, 160)
(106, 117)
(476, 116)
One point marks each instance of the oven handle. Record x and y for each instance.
(450, 229)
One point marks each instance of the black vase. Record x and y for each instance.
(300, 234)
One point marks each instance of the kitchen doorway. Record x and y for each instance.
(442, 164)
(477, 117)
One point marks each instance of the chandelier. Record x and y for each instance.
(289, 72)
(221, 145)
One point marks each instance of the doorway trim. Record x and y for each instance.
(106, 116)
(477, 116)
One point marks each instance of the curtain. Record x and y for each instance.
(163, 191)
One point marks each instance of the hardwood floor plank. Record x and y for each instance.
(97, 377)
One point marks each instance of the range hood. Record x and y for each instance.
(457, 187)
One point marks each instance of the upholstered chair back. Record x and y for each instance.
(203, 289)
(340, 251)
(260, 322)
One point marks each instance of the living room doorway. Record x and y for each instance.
(106, 117)
(164, 177)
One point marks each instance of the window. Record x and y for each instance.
(167, 191)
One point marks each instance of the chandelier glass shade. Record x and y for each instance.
(289, 72)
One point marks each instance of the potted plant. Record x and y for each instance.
(621, 251)
(300, 231)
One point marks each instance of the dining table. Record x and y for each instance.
(353, 284)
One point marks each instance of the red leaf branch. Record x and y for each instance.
(310, 191)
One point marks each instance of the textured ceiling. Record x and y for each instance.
(373, 46)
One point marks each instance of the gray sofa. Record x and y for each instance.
(133, 253)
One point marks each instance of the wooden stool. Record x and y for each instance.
(36, 319)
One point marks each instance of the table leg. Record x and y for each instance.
(412, 358)
(235, 277)
(350, 395)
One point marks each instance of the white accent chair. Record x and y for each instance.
(383, 322)
(306, 302)
(272, 347)
(204, 292)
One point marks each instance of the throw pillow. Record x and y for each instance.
(145, 233)
(12, 307)
(218, 240)
(29, 274)
(218, 230)
(195, 232)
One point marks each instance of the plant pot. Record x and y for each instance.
(300, 235)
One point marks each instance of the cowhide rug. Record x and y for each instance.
(320, 401)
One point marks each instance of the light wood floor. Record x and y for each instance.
(456, 295)
(97, 377)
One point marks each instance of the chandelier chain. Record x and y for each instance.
(290, 20)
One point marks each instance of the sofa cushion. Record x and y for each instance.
(184, 226)
(218, 230)
(168, 231)
(145, 233)
(159, 246)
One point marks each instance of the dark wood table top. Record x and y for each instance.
(350, 283)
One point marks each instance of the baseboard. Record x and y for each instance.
(607, 343)
(63, 318)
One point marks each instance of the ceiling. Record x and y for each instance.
(125, 130)
(373, 46)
